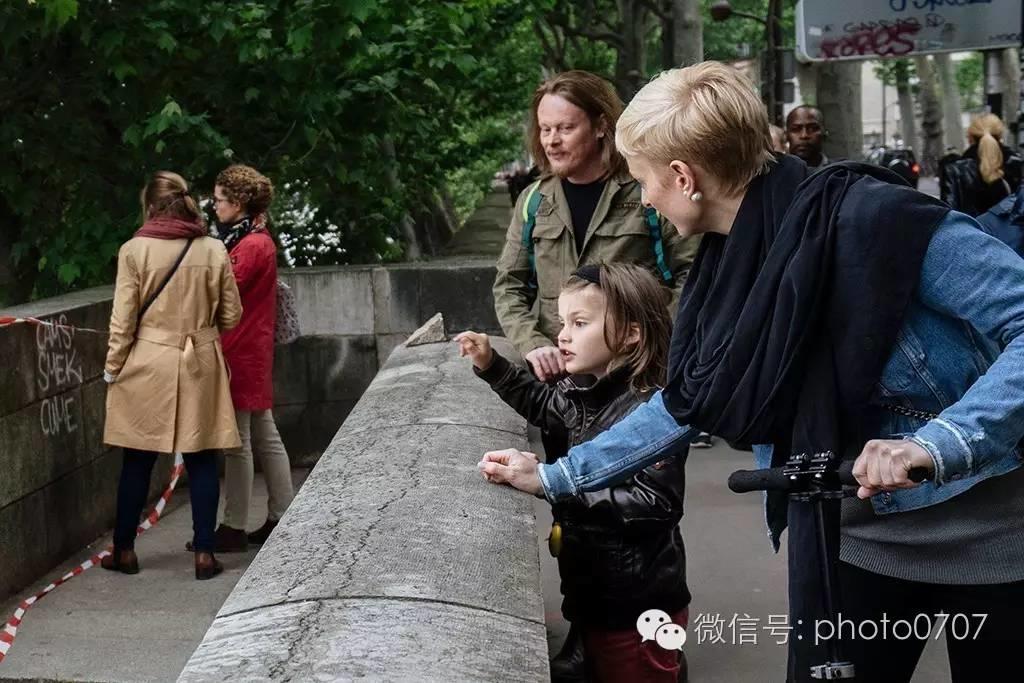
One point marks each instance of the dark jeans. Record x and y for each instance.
(979, 650)
(871, 605)
(204, 487)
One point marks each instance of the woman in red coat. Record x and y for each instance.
(242, 196)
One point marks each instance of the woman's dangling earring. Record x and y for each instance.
(696, 196)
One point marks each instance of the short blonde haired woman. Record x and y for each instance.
(168, 384)
(838, 313)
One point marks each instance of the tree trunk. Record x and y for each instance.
(668, 43)
(16, 281)
(687, 33)
(807, 79)
(953, 130)
(407, 225)
(931, 115)
(905, 97)
(629, 60)
(552, 48)
(838, 98)
(1011, 92)
(995, 81)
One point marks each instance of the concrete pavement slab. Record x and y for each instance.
(108, 627)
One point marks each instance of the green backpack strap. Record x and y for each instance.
(530, 206)
(653, 221)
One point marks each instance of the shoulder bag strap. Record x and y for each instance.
(167, 278)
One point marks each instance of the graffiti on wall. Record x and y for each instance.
(57, 368)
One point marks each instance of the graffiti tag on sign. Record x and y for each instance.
(829, 30)
(901, 5)
(882, 40)
(57, 367)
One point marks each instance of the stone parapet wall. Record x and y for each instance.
(396, 561)
(57, 479)
(351, 318)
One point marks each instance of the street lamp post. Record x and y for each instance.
(771, 73)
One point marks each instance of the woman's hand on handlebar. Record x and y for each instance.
(885, 464)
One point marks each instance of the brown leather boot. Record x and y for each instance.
(259, 537)
(124, 561)
(207, 566)
(230, 540)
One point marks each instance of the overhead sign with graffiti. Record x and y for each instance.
(871, 29)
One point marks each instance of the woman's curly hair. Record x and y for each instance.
(247, 187)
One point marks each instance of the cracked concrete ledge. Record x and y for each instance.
(396, 561)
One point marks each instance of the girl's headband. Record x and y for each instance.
(590, 273)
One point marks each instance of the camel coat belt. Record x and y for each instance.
(171, 391)
(186, 343)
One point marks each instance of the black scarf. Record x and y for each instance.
(784, 327)
(232, 233)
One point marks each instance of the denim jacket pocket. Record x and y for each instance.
(898, 374)
(906, 376)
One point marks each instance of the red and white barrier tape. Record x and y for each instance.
(9, 320)
(10, 629)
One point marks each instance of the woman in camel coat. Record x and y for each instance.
(168, 383)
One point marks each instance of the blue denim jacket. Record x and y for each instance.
(1005, 221)
(959, 354)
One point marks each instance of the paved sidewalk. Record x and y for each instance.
(107, 626)
(929, 185)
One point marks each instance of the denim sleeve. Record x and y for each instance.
(972, 276)
(645, 436)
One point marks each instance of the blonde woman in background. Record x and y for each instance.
(987, 172)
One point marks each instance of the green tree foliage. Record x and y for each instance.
(94, 96)
(739, 37)
(969, 79)
(736, 37)
(891, 71)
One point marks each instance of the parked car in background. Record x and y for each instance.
(900, 160)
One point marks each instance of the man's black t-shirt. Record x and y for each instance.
(582, 202)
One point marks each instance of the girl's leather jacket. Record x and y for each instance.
(622, 552)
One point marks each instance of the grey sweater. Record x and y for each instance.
(979, 540)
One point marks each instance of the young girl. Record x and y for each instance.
(621, 552)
